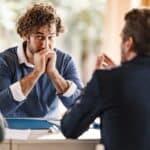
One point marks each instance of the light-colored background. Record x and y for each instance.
(92, 27)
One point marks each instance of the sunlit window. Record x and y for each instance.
(135, 3)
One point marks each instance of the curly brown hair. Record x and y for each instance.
(36, 16)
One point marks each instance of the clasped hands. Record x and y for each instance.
(45, 61)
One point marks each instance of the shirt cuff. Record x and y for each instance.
(17, 92)
(70, 91)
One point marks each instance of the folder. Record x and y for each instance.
(29, 123)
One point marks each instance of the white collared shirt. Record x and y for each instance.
(16, 89)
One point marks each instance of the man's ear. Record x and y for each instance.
(25, 37)
(129, 44)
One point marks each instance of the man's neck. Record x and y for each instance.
(131, 55)
(28, 54)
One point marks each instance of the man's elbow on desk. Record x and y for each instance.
(69, 129)
(68, 133)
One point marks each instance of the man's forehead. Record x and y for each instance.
(45, 29)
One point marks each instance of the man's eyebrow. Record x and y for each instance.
(43, 33)
(53, 33)
(38, 33)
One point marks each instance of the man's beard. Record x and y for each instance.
(33, 51)
(29, 47)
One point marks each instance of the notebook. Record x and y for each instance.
(29, 123)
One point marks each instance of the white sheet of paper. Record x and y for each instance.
(54, 136)
(91, 134)
(17, 134)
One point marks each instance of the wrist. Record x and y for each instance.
(52, 72)
(65, 89)
(37, 72)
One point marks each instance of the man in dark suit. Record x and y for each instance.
(120, 96)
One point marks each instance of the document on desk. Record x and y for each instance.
(91, 134)
(17, 134)
(29, 123)
(53, 136)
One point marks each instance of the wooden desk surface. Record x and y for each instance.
(42, 140)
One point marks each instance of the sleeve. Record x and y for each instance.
(7, 103)
(71, 74)
(70, 91)
(16, 91)
(78, 118)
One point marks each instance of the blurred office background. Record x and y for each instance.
(91, 27)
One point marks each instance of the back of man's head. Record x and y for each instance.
(137, 26)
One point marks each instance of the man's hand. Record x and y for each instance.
(58, 81)
(51, 62)
(104, 62)
(40, 60)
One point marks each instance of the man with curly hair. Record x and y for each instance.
(35, 75)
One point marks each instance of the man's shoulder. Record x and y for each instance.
(63, 58)
(127, 70)
(61, 53)
(9, 55)
(128, 66)
(10, 52)
(111, 74)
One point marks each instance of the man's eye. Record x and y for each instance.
(39, 37)
(51, 37)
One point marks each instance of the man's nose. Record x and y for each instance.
(46, 44)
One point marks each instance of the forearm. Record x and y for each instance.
(7, 103)
(84, 111)
(59, 82)
(27, 83)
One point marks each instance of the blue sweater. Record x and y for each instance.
(38, 102)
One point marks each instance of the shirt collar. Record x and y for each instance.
(22, 58)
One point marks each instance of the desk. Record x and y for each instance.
(5, 145)
(42, 140)
(55, 145)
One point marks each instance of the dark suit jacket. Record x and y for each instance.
(121, 98)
